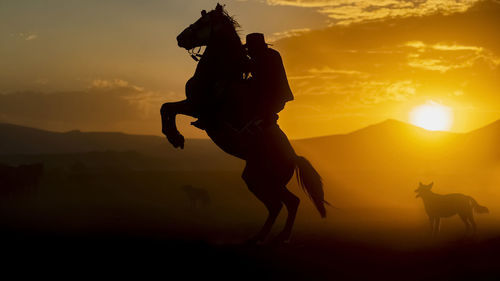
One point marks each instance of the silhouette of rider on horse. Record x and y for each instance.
(239, 114)
(269, 89)
(268, 78)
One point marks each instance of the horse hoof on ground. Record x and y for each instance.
(281, 239)
(256, 240)
(176, 139)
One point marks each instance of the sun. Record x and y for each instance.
(432, 116)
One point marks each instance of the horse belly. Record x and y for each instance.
(229, 141)
(269, 143)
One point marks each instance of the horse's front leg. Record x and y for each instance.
(168, 113)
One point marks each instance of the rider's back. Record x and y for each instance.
(270, 81)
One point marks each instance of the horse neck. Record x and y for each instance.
(222, 56)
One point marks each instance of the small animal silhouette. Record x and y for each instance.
(198, 197)
(440, 206)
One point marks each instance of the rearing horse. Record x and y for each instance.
(218, 85)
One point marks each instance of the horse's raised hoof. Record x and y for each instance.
(176, 139)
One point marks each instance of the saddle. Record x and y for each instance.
(231, 103)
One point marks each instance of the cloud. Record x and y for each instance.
(376, 92)
(105, 105)
(443, 57)
(31, 37)
(28, 36)
(416, 44)
(454, 47)
(442, 46)
(344, 12)
(381, 69)
(433, 64)
(304, 3)
(288, 33)
(115, 83)
(401, 90)
(328, 70)
(41, 81)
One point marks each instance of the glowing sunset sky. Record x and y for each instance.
(109, 65)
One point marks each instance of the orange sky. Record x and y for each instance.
(109, 66)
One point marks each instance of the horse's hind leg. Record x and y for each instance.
(292, 204)
(273, 205)
(267, 195)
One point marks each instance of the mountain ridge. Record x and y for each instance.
(18, 139)
(390, 144)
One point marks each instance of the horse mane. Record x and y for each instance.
(230, 19)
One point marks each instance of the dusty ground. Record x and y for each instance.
(114, 227)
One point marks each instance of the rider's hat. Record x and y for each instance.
(255, 41)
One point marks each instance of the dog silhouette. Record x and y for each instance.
(440, 206)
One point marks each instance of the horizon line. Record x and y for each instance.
(296, 139)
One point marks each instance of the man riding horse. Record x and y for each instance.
(266, 77)
(240, 114)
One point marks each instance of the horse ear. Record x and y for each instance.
(431, 184)
(218, 8)
(203, 13)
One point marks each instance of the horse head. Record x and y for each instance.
(205, 28)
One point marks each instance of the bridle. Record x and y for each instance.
(197, 55)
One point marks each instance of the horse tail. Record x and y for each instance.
(311, 182)
(478, 208)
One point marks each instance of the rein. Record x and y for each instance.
(195, 55)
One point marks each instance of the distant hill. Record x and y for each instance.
(388, 145)
(24, 144)
(379, 165)
(397, 145)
